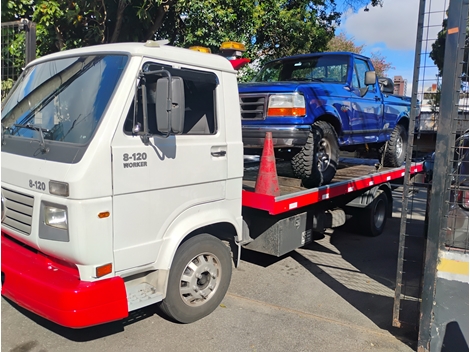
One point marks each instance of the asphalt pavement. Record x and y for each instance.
(335, 294)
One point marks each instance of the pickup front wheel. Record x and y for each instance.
(199, 278)
(316, 162)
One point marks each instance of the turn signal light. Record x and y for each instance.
(104, 270)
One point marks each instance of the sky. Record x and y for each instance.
(391, 30)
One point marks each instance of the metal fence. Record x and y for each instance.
(436, 301)
(444, 324)
(18, 47)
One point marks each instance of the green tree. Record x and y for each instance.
(269, 29)
(439, 47)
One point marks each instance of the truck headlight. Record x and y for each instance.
(292, 104)
(55, 216)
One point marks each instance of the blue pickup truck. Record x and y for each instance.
(318, 104)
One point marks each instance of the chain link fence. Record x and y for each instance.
(18, 48)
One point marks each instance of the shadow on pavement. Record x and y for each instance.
(91, 333)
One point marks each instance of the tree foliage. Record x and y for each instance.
(439, 47)
(343, 43)
(272, 27)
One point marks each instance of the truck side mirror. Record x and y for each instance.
(370, 78)
(170, 105)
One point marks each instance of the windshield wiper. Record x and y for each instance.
(41, 130)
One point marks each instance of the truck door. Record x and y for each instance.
(155, 182)
(366, 105)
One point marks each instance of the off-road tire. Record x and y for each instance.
(211, 260)
(316, 162)
(395, 149)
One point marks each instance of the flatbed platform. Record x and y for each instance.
(352, 175)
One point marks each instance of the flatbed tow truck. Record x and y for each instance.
(123, 180)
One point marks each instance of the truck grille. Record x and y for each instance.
(18, 210)
(253, 106)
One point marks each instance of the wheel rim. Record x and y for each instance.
(323, 155)
(379, 214)
(399, 146)
(200, 279)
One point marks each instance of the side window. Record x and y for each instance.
(360, 68)
(199, 93)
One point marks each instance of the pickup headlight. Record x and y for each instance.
(55, 216)
(286, 105)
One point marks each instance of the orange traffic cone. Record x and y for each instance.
(267, 182)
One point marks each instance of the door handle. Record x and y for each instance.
(219, 153)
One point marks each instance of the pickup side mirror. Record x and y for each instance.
(170, 105)
(370, 78)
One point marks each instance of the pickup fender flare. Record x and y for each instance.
(329, 114)
(191, 220)
(403, 118)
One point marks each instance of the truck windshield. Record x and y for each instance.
(326, 68)
(62, 99)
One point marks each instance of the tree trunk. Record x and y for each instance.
(119, 17)
(157, 22)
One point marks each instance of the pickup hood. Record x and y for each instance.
(268, 87)
(307, 88)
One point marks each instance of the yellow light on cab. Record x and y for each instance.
(201, 49)
(232, 46)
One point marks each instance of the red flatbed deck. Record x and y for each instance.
(349, 178)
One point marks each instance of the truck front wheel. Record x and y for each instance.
(316, 163)
(199, 279)
(395, 149)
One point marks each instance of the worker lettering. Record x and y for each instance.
(135, 164)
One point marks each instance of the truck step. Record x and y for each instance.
(141, 295)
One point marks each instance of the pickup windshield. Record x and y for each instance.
(321, 68)
(63, 99)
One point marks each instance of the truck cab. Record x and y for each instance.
(105, 152)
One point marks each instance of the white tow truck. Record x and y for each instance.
(123, 180)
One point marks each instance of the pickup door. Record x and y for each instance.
(366, 105)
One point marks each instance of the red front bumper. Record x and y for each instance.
(53, 290)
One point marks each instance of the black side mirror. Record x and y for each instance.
(170, 105)
(386, 85)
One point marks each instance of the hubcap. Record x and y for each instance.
(200, 279)
(323, 155)
(399, 146)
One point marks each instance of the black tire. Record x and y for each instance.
(374, 216)
(395, 149)
(189, 295)
(316, 162)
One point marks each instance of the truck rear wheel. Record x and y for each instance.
(395, 149)
(199, 279)
(316, 162)
(374, 216)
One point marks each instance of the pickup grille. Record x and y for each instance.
(253, 106)
(19, 210)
